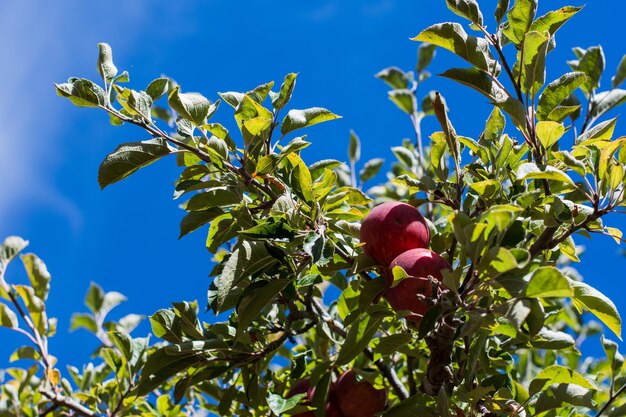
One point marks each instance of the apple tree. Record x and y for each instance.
(449, 289)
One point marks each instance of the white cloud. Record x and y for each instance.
(38, 40)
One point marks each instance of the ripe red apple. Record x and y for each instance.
(358, 398)
(409, 293)
(391, 229)
(304, 386)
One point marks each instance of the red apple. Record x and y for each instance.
(304, 386)
(391, 229)
(410, 293)
(358, 398)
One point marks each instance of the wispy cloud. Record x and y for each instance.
(39, 40)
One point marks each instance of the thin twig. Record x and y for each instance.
(68, 403)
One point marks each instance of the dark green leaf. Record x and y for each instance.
(607, 100)
(251, 306)
(534, 52)
(247, 259)
(38, 275)
(166, 325)
(520, 18)
(196, 219)
(592, 64)
(425, 55)
(286, 90)
(599, 304)
(468, 9)
(191, 106)
(404, 99)
(620, 74)
(482, 83)
(7, 317)
(501, 9)
(394, 77)
(452, 36)
(128, 158)
(557, 91)
(354, 149)
(559, 395)
(157, 88)
(94, 299)
(370, 169)
(83, 93)
(553, 20)
(359, 335)
(297, 119)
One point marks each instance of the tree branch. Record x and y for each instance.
(65, 402)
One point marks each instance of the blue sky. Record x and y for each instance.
(125, 238)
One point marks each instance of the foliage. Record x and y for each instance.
(300, 298)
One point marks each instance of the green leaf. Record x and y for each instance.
(613, 355)
(106, 68)
(598, 304)
(370, 169)
(166, 325)
(279, 405)
(94, 299)
(297, 119)
(620, 74)
(559, 395)
(161, 366)
(549, 133)
(452, 36)
(7, 317)
(354, 149)
(214, 197)
(83, 321)
(550, 339)
(286, 90)
(394, 77)
(425, 55)
(10, 248)
(158, 88)
(468, 9)
(191, 106)
(270, 228)
(25, 352)
(553, 20)
(404, 99)
(547, 282)
(591, 63)
(557, 91)
(557, 374)
(533, 57)
(600, 132)
(607, 100)
(390, 344)
(494, 128)
(501, 9)
(359, 335)
(482, 83)
(247, 259)
(83, 93)
(520, 19)
(530, 171)
(128, 158)
(251, 306)
(38, 274)
(196, 219)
